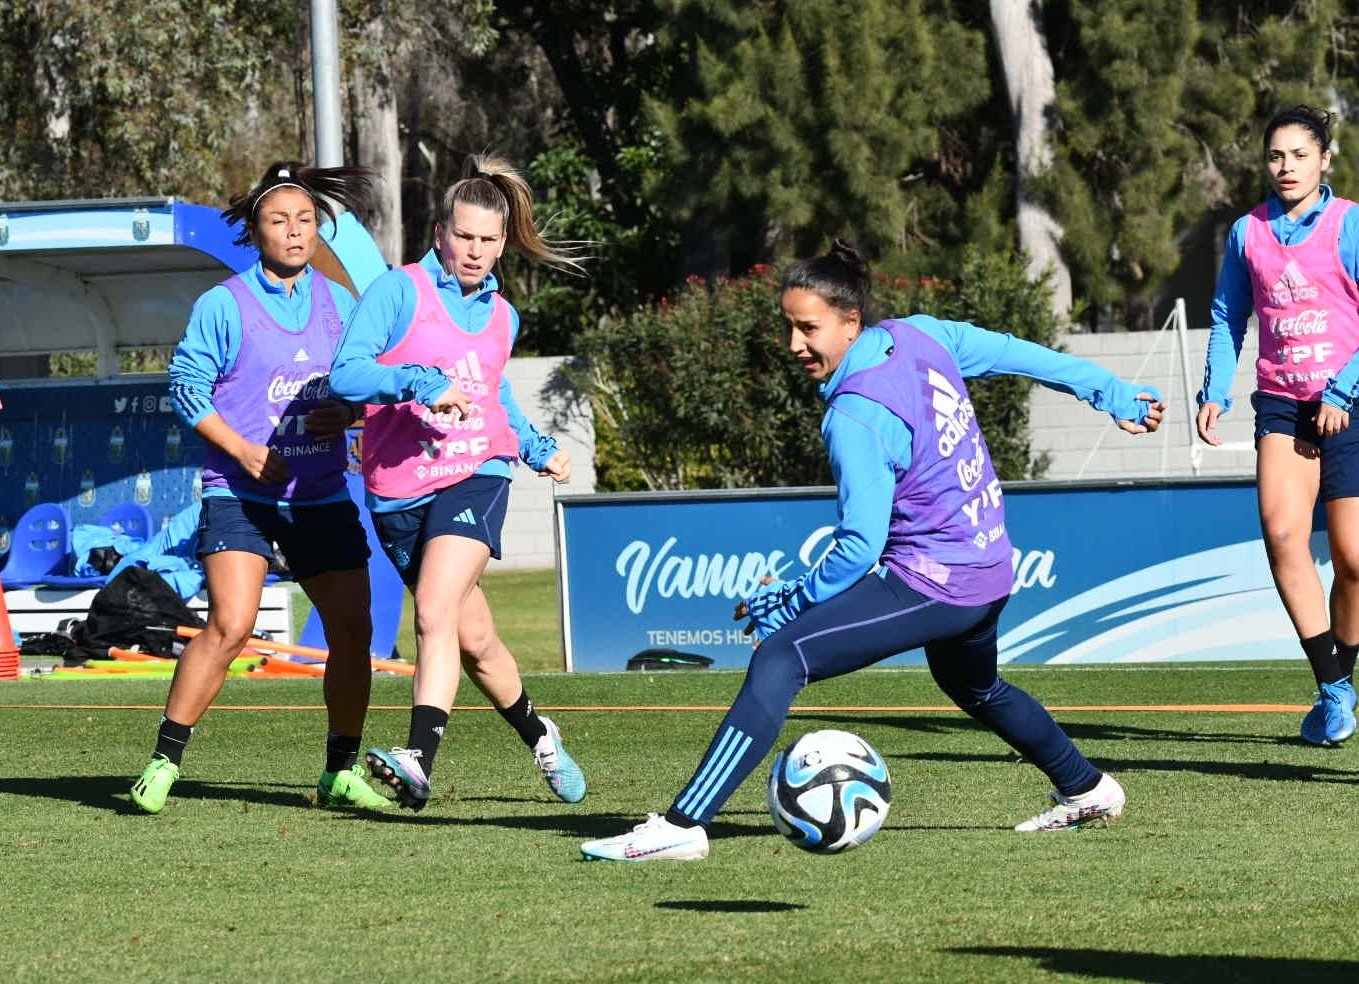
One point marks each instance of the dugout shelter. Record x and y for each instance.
(104, 276)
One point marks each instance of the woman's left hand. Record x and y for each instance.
(329, 420)
(558, 467)
(1151, 420)
(1331, 420)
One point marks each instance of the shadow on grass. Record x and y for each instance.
(585, 826)
(1268, 771)
(729, 905)
(944, 723)
(111, 792)
(1161, 968)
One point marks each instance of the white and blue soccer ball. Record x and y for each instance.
(829, 792)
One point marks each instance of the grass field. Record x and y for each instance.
(526, 612)
(1231, 864)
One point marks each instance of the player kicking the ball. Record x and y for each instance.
(921, 556)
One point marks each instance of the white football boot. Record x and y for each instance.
(656, 839)
(1100, 805)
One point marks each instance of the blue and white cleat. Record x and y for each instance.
(563, 776)
(656, 839)
(400, 769)
(1331, 719)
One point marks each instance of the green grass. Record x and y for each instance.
(1231, 865)
(526, 611)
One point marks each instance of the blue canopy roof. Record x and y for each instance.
(118, 273)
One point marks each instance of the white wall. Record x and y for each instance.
(1087, 444)
(527, 542)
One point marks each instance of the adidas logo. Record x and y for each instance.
(466, 517)
(953, 413)
(438, 731)
(1292, 285)
(301, 356)
(469, 368)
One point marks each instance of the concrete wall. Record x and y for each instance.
(528, 542)
(1087, 444)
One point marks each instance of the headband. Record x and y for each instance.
(282, 173)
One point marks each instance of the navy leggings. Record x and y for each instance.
(879, 617)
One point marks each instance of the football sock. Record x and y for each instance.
(523, 718)
(674, 816)
(171, 739)
(1345, 655)
(1320, 650)
(342, 751)
(427, 730)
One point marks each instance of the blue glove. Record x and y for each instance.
(773, 606)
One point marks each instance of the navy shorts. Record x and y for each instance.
(473, 508)
(314, 539)
(1296, 418)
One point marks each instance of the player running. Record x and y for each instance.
(250, 376)
(427, 350)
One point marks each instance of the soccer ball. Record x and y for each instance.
(829, 792)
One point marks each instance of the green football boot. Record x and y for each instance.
(150, 791)
(349, 787)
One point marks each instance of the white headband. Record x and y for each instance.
(282, 184)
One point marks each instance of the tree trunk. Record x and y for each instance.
(1029, 80)
(377, 144)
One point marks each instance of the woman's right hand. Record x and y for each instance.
(263, 464)
(452, 399)
(1207, 423)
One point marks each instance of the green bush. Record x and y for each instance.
(698, 391)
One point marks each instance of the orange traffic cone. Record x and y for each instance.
(9, 652)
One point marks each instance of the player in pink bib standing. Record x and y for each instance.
(250, 377)
(426, 349)
(1294, 261)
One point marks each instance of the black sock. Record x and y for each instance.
(1320, 650)
(427, 730)
(524, 719)
(171, 739)
(1345, 655)
(674, 816)
(342, 751)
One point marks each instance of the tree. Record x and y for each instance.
(128, 98)
(805, 123)
(1029, 81)
(1160, 108)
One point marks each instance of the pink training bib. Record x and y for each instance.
(408, 449)
(1307, 305)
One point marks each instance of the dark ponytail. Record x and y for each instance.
(350, 186)
(839, 277)
(1317, 122)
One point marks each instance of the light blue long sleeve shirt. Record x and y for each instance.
(1233, 300)
(378, 325)
(212, 342)
(867, 444)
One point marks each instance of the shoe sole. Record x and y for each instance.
(1102, 819)
(385, 774)
(695, 856)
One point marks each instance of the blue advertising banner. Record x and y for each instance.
(1143, 571)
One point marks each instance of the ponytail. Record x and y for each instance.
(491, 183)
(839, 277)
(350, 186)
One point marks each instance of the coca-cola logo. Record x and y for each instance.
(314, 386)
(971, 470)
(1309, 322)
